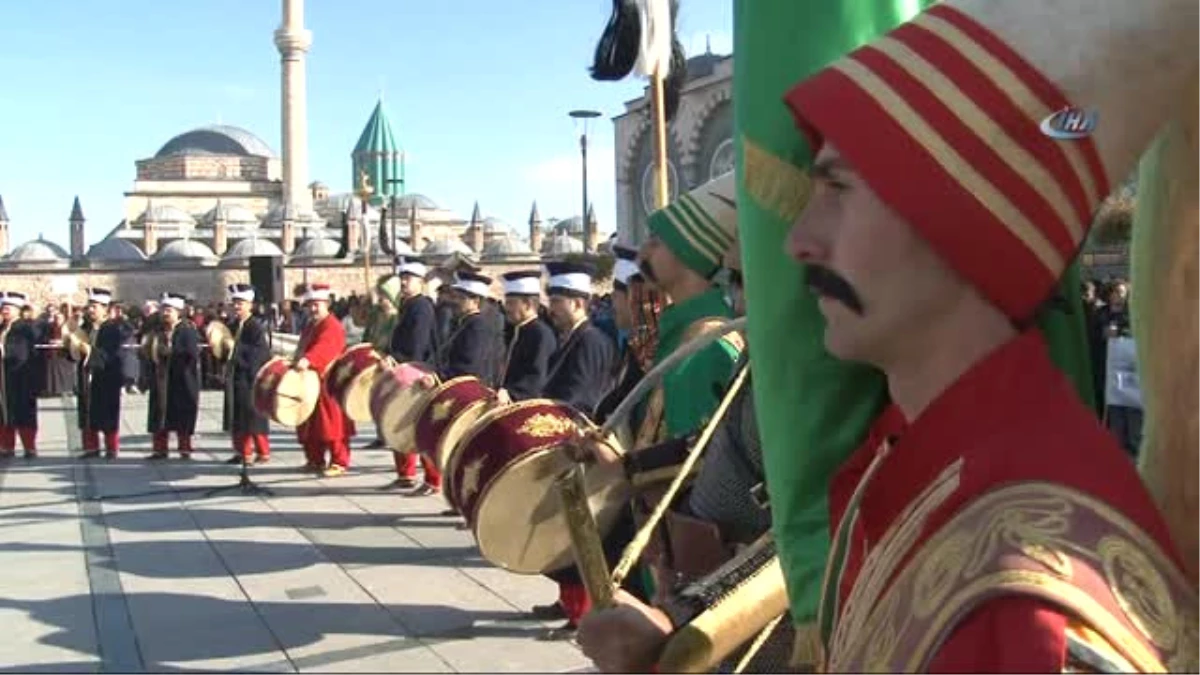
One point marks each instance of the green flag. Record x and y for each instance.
(813, 410)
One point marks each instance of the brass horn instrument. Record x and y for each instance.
(75, 340)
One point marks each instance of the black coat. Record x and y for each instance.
(470, 350)
(177, 411)
(581, 369)
(101, 376)
(628, 377)
(20, 370)
(250, 352)
(415, 336)
(528, 360)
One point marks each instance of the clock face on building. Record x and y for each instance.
(649, 190)
(722, 161)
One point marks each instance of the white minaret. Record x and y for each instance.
(293, 41)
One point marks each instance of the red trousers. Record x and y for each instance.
(575, 601)
(91, 441)
(161, 438)
(339, 453)
(248, 444)
(406, 467)
(8, 438)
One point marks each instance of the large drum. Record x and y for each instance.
(396, 400)
(284, 395)
(349, 377)
(502, 480)
(447, 415)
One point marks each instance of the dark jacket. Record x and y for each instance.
(415, 336)
(250, 352)
(528, 360)
(581, 369)
(175, 384)
(20, 381)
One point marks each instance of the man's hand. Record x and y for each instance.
(590, 448)
(626, 639)
(302, 365)
(502, 397)
(427, 382)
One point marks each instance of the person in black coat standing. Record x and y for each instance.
(581, 369)
(18, 384)
(415, 336)
(414, 339)
(101, 377)
(175, 379)
(527, 359)
(247, 427)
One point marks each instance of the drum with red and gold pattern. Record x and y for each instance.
(349, 377)
(448, 413)
(396, 399)
(284, 395)
(501, 479)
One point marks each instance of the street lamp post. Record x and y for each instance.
(583, 116)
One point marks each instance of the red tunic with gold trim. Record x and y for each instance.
(322, 342)
(1010, 440)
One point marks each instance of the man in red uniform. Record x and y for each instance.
(990, 524)
(322, 341)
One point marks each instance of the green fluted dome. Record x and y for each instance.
(378, 154)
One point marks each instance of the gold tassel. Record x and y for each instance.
(776, 184)
(808, 651)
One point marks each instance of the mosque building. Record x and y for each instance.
(212, 198)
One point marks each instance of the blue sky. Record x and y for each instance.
(478, 93)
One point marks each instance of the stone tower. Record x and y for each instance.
(414, 229)
(535, 230)
(293, 41)
(77, 233)
(150, 231)
(220, 230)
(3, 229)
(475, 231)
(591, 233)
(378, 155)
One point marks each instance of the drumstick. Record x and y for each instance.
(658, 372)
(634, 549)
(585, 536)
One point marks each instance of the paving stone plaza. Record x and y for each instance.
(130, 566)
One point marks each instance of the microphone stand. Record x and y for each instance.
(245, 485)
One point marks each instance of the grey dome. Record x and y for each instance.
(216, 140)
(252, 247)
(185, 249)
(37, 251)
(166, 214)
(446, 246)
(505, 247)
(115, 249)
(275, 217)
(572, 225)
(235, 215)
(320, 247)
(561, 244)
(420, 200)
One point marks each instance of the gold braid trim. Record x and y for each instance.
(808, 651)
(1041, 540)
(776, 184)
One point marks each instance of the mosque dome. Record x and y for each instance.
(38, 252)
(185, 250)
(115, 250)
(494, 225)
(276, 215)
(251, 247)
(560, 243)
(505, 247)
(419, 200)
(445, 246)
(235, 215)
(320, 247)
(572, 226)
(166, 214)
(216, 140)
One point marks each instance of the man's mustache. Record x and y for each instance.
(824, 281)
